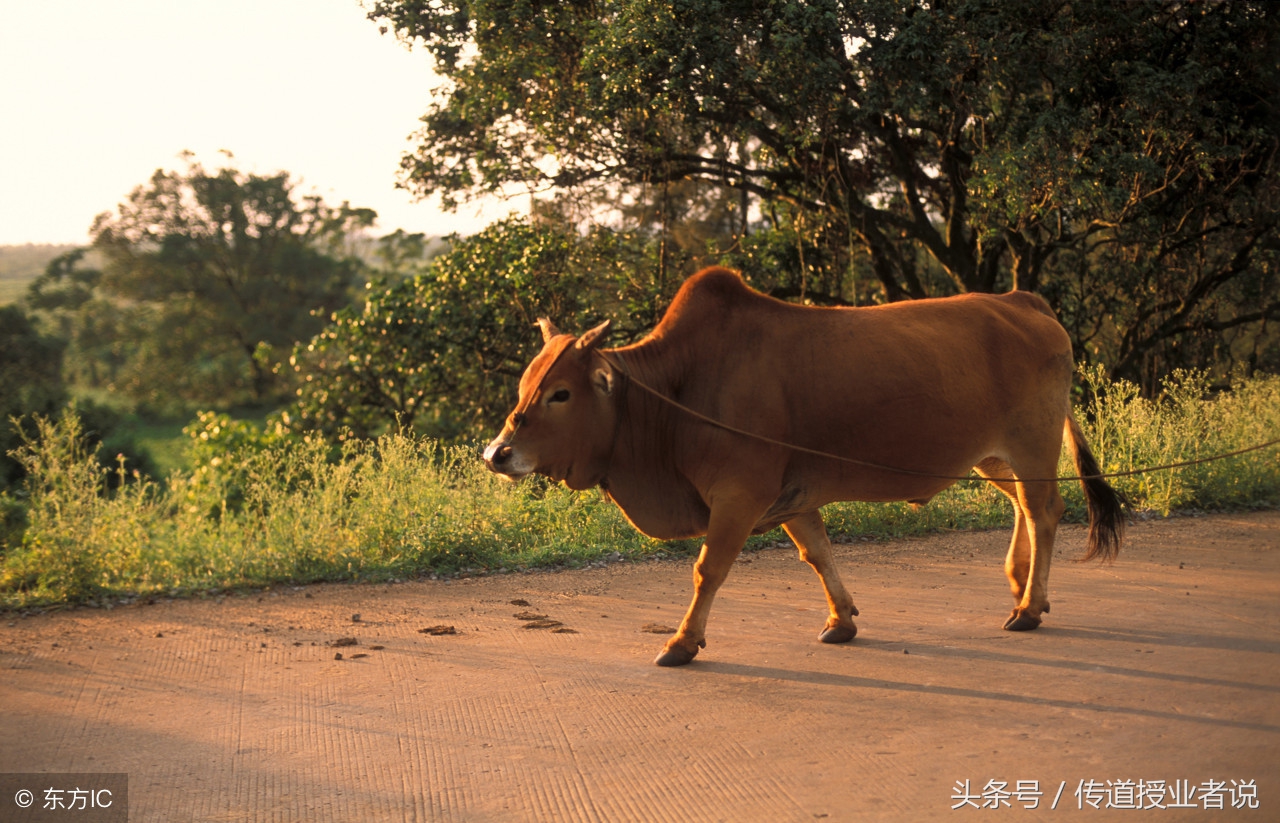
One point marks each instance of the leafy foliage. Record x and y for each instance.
(206, 277)
(1119, 158)
(266, 510)
(444, 349)
(263, 506)
(19, 265)
(30, 382)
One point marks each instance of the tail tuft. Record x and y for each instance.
(1107, 507)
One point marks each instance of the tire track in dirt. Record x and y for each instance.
(166, 676)
(630, 702)
(348, 763)
(181, 665)
(1146, 670)
(557, 725)
(514, 757)
(715, 761)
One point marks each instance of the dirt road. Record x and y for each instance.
(535, 698)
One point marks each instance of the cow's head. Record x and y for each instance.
(564, 424)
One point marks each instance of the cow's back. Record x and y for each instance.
(928, 385)
(944, 351)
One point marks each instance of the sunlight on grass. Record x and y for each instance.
(261, 507)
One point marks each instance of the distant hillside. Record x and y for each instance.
(19, 265)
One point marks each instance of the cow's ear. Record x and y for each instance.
(549, 329)
(591, 339)
(602, 381)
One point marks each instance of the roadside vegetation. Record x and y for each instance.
(1117, 159)
(261, 507)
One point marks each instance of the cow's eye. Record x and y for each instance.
(560, 396)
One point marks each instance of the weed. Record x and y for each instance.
(260, 506)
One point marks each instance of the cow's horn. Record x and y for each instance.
(592, 338)
(549, 329)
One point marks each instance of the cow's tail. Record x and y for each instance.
(1106, 505)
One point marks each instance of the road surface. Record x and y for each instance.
(532, 697)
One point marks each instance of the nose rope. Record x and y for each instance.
(614, 360)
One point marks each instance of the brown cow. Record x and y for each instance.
(912, 394)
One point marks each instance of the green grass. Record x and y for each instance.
(166, 444)
(259, 507)
(283, 510)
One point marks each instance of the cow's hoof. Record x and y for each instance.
(1020, 621)
(677, 655)
(838, 634)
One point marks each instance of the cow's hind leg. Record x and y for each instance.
(1017, 562)
(810, 537)
(1042, 507)
(1037, 509)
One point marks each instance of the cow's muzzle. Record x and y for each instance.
(497, 455)
(500, 458)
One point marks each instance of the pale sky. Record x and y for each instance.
(95, 95)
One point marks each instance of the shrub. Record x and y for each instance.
(263, 506)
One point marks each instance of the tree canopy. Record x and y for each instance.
(30, 382)
(207, 280)
(1117, 157)
(443, 350)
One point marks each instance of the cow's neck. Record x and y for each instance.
(645, 478)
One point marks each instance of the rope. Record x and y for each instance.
(612, 359)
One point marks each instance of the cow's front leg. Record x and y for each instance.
(728, 531)
(810, 536)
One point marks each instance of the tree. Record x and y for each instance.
(207, 278)
(30, 382)
(444, 348)
(67, 300)
(930, 148)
